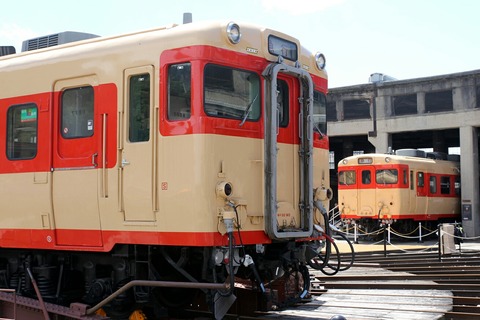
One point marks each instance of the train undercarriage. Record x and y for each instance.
(154, 281)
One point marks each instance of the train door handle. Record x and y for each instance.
(94, 159)
(125, 162)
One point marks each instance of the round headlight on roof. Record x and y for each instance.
(320, 60)
(233, 33)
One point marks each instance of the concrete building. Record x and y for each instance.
(439, 112)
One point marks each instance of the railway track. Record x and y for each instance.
(414, 286)
(426, 284)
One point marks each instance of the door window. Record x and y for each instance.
(179, 91)
(139, 108)
(77, 113)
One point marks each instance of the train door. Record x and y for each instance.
(76, 149)
(422, 193)
(367, 193)
(412, 191)
(288, 151)
(138, 157)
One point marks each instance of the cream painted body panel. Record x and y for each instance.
(187, 168)
(25, 200)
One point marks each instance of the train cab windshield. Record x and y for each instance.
(231, 93)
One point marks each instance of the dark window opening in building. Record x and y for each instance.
(439, 101)
(332, 111)
(356, 109)
(403, 105)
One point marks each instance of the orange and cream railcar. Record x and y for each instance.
(404, 189)
(183, 153)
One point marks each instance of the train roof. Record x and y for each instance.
(212, 33)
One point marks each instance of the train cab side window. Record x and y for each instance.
(347, 178)
(231, 93)
(445, 185)
(366, 177)
(139, 108)
(433, 184)
(22, 132)
(179, 91)
(319, 112)
(420, 179)
(77, 112)
(386, 176)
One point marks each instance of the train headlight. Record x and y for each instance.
(320, 60)
(323, 194)
(344, 161)
(387, 159)
(224, 189)
(233, 33)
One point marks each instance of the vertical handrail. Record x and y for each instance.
(104, 157)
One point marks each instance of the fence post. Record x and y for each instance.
(440, 245)
(420, 232)
(355, 240)
(389, 234)
(384, 240)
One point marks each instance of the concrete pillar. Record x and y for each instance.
(381, 142)
(421, 102)
(339, 107)
(470, 181)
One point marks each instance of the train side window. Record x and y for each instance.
(347, 178)
(445, 185)
(386, 176)
(231, 93)
(139, 108)
(405, 177)
(411, 181)
(433, 184)
(319, 112)
(77, 112)
(366, 177)
(420, 179)
(179, 91)
(22, 132)
(283, 103)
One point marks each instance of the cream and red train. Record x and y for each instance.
(402, 189)
(181, 154)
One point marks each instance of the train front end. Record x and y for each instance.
(262, 139)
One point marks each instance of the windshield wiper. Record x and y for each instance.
(247, 111)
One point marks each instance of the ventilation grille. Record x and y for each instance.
(6, 50)
(55, 39)
(42, 42)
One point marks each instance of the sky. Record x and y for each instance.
(404, 39)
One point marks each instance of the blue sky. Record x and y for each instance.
(402, 38)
